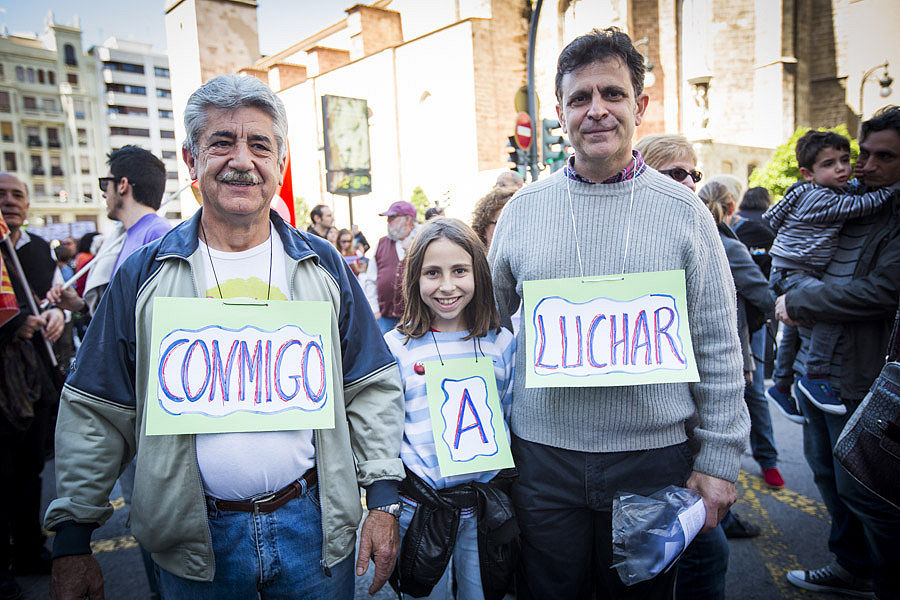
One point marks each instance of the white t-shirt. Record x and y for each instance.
(234, 466)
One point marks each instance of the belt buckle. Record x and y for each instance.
(256, 502)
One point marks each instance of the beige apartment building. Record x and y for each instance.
(135, 93)
(51, 123)
(440, 77)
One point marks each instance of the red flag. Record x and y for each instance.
(195, 189)
(283, 202)
(8, 305)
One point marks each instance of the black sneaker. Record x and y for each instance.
(36, 562)
(832, 578)
(736, 528)
(9, 589)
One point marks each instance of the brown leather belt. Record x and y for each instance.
(271, 502)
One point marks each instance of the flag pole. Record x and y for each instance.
(29, 296)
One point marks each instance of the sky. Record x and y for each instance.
(144, 20)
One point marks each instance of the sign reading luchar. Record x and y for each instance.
(629, 329)
(220, 366)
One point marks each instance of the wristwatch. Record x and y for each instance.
(391, 509)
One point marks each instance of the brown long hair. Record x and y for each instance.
(718, 198)
(480, 314)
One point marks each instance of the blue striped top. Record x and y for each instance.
(417, 450)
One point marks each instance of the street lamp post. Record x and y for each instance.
(885, 91)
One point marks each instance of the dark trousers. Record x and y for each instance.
(703, 566)
(864, 528)
(563, 501)
(21, 463)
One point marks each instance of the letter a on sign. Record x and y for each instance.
(466, 417)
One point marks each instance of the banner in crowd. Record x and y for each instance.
(9, 307)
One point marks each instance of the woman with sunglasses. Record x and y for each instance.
(702, 568)
(671, 155)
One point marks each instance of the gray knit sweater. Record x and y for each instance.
(672, 229)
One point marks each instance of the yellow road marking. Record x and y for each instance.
(776, 557)
(805, 504)
(111, 545)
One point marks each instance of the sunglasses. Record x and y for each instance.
(678, 174)
(104, 181)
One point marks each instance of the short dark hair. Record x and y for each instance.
(84, 243)
(887, 117)
(812, 142)
(756, 198)
(145, 172)
(316, 212)
(480, 313)
(601, 44)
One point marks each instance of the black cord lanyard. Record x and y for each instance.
(216, 277)
(476, 347)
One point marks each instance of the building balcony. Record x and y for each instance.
(34, 141)
(54, 144)
(123, 99)
(38, 171)
(56, 172)
(8, 138)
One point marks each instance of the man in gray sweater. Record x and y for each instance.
(607, 213)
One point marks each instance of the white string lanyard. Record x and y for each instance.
(575, 227)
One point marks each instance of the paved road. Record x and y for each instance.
(794, 526)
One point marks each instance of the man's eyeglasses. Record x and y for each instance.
(678, 174)
(104, 181)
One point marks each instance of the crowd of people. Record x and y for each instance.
(253, 510)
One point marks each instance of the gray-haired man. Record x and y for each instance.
(268, 513)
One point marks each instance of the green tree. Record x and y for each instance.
(421, 202)
(782, 170)
(301, 213)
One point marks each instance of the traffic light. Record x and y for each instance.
(516, 157)
(553, 145)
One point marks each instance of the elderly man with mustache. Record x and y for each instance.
(246, 512)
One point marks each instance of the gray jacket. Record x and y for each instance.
(102, 411)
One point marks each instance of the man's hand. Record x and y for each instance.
(718, 496)
(32, 324)
(380, 539)
(76, 577)
(782, 314)
(66, 298)
(56, 322)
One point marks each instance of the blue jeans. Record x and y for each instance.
(464, 565)
(702, 567)
(268, 556)
(864, 528)
(762, 439)
(385, 324)
(783, 375)
(824, 336)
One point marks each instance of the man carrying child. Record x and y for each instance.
(860, 290)
(808, 221)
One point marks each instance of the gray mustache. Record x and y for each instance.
(239, 177)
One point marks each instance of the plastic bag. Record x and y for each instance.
(649, 534)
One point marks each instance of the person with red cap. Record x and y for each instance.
(382, 283)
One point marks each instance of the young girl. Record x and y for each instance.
(449, 314)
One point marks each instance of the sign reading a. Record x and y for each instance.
(466, 416)
(626, 330)
(217, 366)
